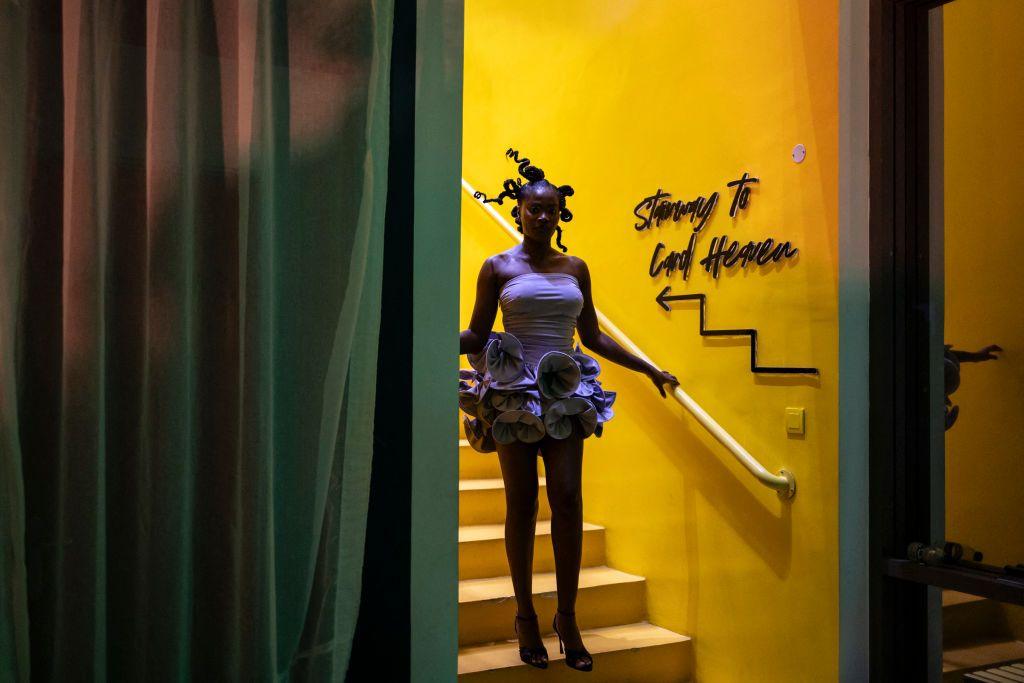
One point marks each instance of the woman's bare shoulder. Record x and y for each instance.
(578, 267)
(501, 262)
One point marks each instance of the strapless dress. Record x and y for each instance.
(529, 382)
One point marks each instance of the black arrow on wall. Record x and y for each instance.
(664, 297)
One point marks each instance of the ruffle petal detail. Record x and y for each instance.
(603, 401)
(469, 390)
(508, 399)
(562, 414)
(479, 360)
(589, 368)
(505, 358)
(527, 379)
(478, 436)
(486, 413)
(558, 375)
(521, 425)
(522, 399)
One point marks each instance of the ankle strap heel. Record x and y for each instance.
(534, 656)
(574, 659)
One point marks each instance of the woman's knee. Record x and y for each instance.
(522, 504)
(565, 500)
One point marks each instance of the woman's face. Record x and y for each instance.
(538, 212)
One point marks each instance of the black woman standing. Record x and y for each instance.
(531, 392)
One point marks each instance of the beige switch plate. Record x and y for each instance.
(795, 420)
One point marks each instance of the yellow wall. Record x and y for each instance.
(618, 99)
(984, 146)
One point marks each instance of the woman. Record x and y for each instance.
(530, 391)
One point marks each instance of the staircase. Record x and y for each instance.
(610, 603)
(977, 643)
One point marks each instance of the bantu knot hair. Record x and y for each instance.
(513, 188)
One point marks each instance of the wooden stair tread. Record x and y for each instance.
(492, 532)
(500, 587)
(1012, 673)
(982, 654)
(474, 465)
(606, 597)
(505, 655)
(481, 549)
(482, 499)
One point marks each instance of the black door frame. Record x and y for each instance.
(900, 492)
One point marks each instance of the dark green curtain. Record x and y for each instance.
(192, 202)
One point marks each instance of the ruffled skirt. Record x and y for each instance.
(508, 399)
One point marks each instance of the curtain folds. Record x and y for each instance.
(191, 237)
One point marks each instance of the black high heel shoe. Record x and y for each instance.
(574, 659)
(528, 654)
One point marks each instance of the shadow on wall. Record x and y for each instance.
(766, 529)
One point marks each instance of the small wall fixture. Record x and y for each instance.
(799, 152)
(795, 421)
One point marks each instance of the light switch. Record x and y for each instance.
(795, 420)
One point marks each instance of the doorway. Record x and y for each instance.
(947, 543)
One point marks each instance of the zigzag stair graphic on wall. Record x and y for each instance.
(611, 604)
(664, 296)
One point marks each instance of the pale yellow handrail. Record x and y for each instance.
(784, 482)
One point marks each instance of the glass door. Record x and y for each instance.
(977, 143)
(947, 341)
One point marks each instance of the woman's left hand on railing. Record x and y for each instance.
(661, 378)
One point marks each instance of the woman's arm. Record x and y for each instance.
(484, 310)
(603, 345)
(987, 353)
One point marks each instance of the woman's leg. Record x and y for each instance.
(519, 471)
(563, 469)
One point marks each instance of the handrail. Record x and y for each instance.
(784, 482)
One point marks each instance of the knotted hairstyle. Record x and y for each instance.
(514, 189)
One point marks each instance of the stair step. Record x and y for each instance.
(951, 598)
(482, 501)
(482, 549)
(981, 655)
(970, 619)
(629, 653)
(474, 465)
(606, 597)
(1002, 674)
